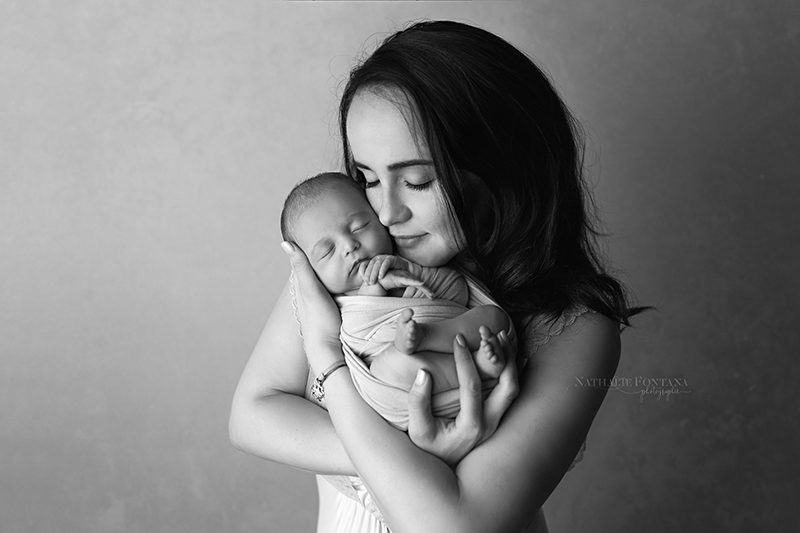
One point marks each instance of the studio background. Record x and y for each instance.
(145, 151)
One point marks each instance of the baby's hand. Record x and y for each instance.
(401, 279)
(381, 264)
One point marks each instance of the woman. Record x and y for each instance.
(469, 158)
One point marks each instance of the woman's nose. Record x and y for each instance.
(393, 210)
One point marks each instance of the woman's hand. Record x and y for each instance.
(318, 314)
(452, 440)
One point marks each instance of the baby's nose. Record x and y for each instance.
(351, 245)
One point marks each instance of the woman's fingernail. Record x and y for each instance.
(420, 380)
(287, 247)
(502, 336)
(460, 341)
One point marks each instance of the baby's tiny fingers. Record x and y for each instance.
(371, 271)
(374, 269)
(385, 267)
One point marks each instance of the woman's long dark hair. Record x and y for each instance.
(486, 109)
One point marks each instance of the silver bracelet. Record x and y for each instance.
(317, 390)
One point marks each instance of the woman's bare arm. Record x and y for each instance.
(269, 416)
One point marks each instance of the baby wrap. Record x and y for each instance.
(369, 325)
(539, 332)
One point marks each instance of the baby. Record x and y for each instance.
(410, 316)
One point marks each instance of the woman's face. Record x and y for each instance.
(401, 182)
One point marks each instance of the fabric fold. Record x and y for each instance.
(368, 328)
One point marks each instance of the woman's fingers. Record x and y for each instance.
(507, 388)
(310, 290)
(469, 386)
(309, 294)
(300, 265)
(421, 424)
(452, 440)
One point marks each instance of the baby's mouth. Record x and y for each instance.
(357, 264)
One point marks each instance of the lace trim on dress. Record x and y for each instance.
(539, 333)
(294, 304)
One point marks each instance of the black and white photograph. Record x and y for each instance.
(325, 266)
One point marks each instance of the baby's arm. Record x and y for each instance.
(396, 273)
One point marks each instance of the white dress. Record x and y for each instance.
(340, 514)
(345, 505)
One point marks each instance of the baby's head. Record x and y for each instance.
(329, 218)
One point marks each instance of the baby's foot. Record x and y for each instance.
(489, 358)
(409, 334)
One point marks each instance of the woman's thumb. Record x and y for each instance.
(296, 256)
(421, 424)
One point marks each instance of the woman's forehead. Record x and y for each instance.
(382, 128)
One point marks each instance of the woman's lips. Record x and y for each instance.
(408, 241)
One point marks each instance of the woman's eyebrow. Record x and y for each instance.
(400, 164)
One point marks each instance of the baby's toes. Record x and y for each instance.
(406, 335)
(411, 334)
(489, 358)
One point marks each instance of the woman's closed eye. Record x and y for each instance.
(419, 186)
(362, 178)
(411, 180)
(418, 178)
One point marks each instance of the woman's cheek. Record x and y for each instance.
(374, 201)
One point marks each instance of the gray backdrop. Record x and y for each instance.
(146, 147)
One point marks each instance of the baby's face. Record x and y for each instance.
(337, 233)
